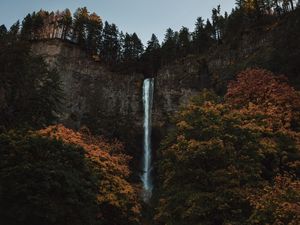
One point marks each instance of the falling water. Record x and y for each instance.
(147, 101)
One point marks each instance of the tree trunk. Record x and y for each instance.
(292, 4)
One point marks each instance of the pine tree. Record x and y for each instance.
(184, 40)
(138, 47)
(66, 24)
(94, 29)
(3, 32)
(151, 59)
(27, 28)
(110, 46)
(37, 25)
(14, 31)
(79, 26)
(169, 46)
(200, 38)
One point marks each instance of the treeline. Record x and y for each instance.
(101, 40)
(126, 52)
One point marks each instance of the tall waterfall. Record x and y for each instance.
(148, 87)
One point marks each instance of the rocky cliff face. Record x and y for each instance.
(90, 89)
(111, 103)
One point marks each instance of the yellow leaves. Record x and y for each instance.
(183, 125)
(109, 162)
(269, 145)
(279, 202)
(193, 144)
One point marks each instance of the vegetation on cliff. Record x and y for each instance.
(30, 93)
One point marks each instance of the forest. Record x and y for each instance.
(232, 156)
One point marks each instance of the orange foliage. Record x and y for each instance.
(97, 148)
(260, 90)
(111, 165)
(279, 203)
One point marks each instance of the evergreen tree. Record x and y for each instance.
(37, 25)
(137, 46)
(27, 28)
(3, 32)
(94, 29)
(201, 40)
(151, 59)
(169, 46)
(66, 24)
(110, 46)
(132, 51)
(14, 31)
(31, 92)
(79, 25)
(184, 41)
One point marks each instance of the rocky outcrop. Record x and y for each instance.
(91, 90)
(175, 85)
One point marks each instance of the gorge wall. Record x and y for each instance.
(111, 103)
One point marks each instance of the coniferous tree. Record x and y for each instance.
(127, 49)
(132, 50)
(27, 25)
(3, 32)
(169, 46)
(138, 47)
(94, 28)
(184, 40)
(200, 38)
(79, 27)
(66, 24)
(37, 25)
(14, 31)
(110, 46)
(151, 58)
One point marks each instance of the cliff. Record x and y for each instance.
(111, 103)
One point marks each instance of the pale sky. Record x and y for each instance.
(141, 16)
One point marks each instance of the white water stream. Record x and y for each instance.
(148, 87)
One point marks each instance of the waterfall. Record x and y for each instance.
(147, 102)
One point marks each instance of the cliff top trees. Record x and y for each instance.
(110, 45)
(66, 23)
(184, 40)
(132, 50)
(201, 37)
(3, 32)
(151, 59)
(94, 29)
(169, 46)
(79, 27)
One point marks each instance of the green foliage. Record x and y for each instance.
(45, 181)
(151, 59)
(30, 92)
(57, 176)
(110, 45)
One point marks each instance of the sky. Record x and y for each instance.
(141, 16)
